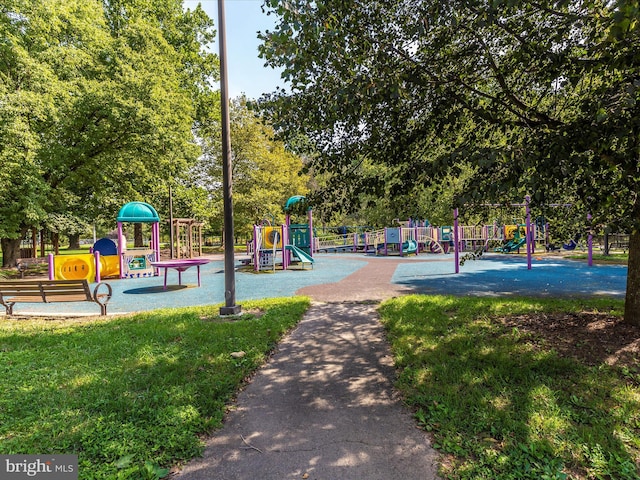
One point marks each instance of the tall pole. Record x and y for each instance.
(528, 235)
(456, 254)
(230, 307)
(171, 239)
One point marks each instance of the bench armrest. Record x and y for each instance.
(102, 298)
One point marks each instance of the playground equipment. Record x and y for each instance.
(421, 237)
(342, 241)
(291, 242)
(102, 262)
(187, 237)
(73, 267)
(136, 262)
(396, 240)
(180, 265)
(528, 238)
(407, 240)
(110, 260)
(515, 237)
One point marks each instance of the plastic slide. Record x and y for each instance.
(410, 246)
(512, 245)
(303, 256)
(109, 266)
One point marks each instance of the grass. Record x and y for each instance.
(501, 408)
(613, 258)
(133, 395)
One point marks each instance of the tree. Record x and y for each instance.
(25, 101)
(535, 97)
(98, 105)
(69, 225)
(265, 175)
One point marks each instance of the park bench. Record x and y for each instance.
(620, 244)
(24, 264)
(50, 291)
(616, 242)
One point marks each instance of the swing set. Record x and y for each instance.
(524, 235)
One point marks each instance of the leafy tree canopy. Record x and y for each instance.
(538, 98)
(529, 93)
(99, 102)
(265, 175)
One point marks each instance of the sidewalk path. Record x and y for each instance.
(323, 408)
(372, 282)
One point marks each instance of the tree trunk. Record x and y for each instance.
(74, 241)
(10, 251)
(43, 243)
(138, 240)
(55, 241)
(632, 299)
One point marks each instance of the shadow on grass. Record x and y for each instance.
(498, 404)
(127, 391)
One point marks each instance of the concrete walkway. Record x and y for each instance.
(323, 408)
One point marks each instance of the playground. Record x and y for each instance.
(380, 265)
(357, 277)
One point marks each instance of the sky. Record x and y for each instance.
(246, 73)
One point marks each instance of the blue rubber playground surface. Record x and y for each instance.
(494, 275)
(501, 275)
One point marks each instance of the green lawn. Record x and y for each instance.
(130, 395)
(614, 258)
(502, 406)
(133, 396)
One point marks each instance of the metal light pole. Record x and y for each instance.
(230, 307)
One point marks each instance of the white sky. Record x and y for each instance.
(246, 72)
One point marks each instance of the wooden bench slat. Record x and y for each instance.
(21, 293)
(50, 299)
(61, 288)
(67, 298)
(26, 288)
(70, 293)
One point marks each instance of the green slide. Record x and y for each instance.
(410, 246)
(512, 245)
(303, 256)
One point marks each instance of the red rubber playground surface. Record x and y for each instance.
(358, 277)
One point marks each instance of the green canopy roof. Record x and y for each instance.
(138, 212)
(292, 201)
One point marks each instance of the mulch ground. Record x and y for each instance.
(593, 338)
